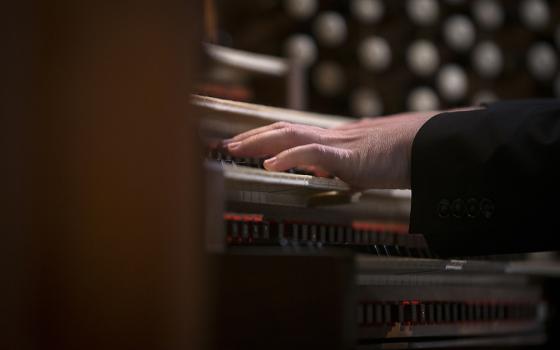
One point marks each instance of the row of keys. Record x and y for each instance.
(414, 313)
(257, 163)
(243, 231)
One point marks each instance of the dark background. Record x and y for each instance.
(264, 26)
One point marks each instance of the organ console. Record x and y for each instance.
(380, 286)
(112, 240)
(307, 261)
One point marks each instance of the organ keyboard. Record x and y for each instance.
(325, 265)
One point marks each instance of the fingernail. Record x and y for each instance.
(232, 146)
(269, 162)
(227, 142)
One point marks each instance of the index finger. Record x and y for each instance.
(256, 131)
(273, 141)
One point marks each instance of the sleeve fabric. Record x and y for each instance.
(487, 181)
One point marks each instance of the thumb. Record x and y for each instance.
(327, 158)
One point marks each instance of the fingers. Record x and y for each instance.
(326, 159)
(273, 141)
(315, 170)
(252, 132)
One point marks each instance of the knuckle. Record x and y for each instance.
(322, 137)
(280, 125)
(347, 155)
(290, 131)
(316, 148)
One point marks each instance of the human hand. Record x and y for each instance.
(371, 122)
(371, 153)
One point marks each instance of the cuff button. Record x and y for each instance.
(443, 208)
(472, 208)
(487, 208)
(458, 208)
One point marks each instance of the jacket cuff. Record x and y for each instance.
(449, 200)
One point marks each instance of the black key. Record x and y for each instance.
(413, 314)
(401, 317)
(430, 313)
(455, 312)
(463, 312)
(378, 313)
(439, 313)
(471, 312)
(349, 235)
(387, 313)
(360, 317)
(322, 233)
(369, 313)
(332, 234)
(446, 312)
(501, 311)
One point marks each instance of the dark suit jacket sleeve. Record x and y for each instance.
(487, 181)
